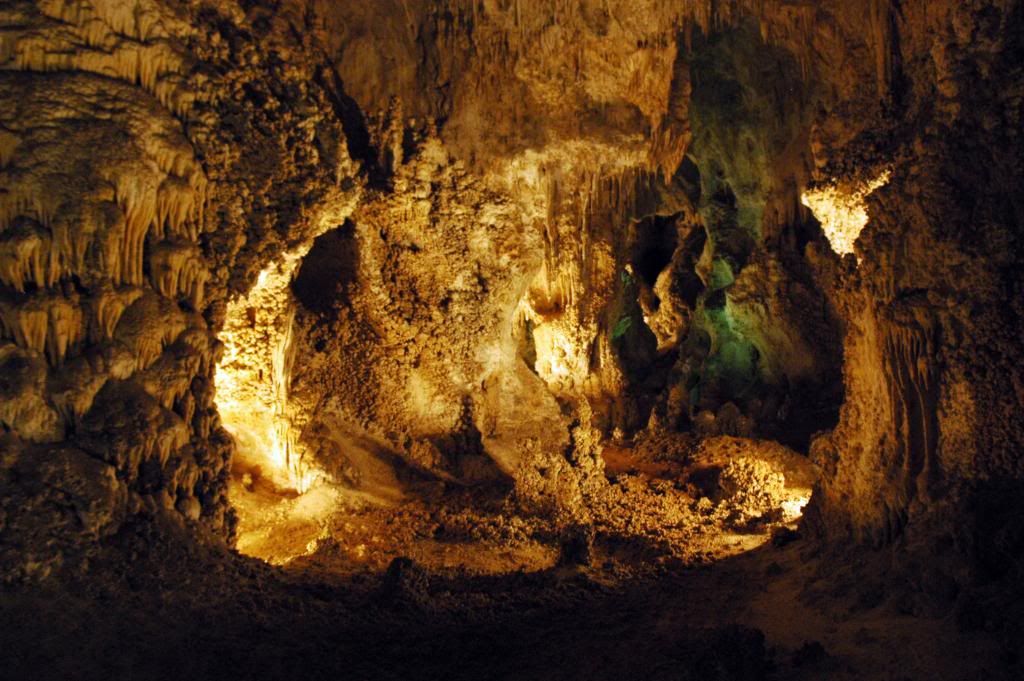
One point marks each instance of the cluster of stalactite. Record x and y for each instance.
(114, 217)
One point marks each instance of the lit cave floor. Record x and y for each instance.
(664, 500)
(473, 591)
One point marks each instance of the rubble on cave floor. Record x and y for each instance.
(659, 500)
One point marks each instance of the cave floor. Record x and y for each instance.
(666, 499)
(142, 614)
(459, 585)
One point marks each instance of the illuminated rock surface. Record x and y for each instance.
(527, 308)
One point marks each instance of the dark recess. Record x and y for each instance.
(328, 270)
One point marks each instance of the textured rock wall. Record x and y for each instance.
(928, 435)
(155, 156)
(581, 114)
(601, 285)
(581, 219)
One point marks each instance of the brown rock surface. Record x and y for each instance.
(461, 287)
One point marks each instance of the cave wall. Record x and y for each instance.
(764, 100)
(155, 155)
(577, 117)
(405, 355)
(928, 444)
(490, 304)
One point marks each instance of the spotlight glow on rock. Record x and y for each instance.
(252, 379)
(842, 210)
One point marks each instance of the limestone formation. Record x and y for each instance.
(654, 273)
(130, 210)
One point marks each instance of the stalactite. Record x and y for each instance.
(24, 407)
(179, 202)
(881, 43)
(66, 329)
(145, 339)
(23, 251)
(8, 144)
(169, 379)
(177, 269)
(138, 217)
(26, 324)
(172, 208)
(60, 255)
(107, 307)
(129, 42)
(911, 373)
(24, 201)
(45, 323)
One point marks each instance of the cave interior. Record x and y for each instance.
(512, 339)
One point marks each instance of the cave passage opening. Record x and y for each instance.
(312, 485)
(668, 356)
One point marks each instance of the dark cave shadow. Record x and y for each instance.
(227, 616)
(328, 271)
